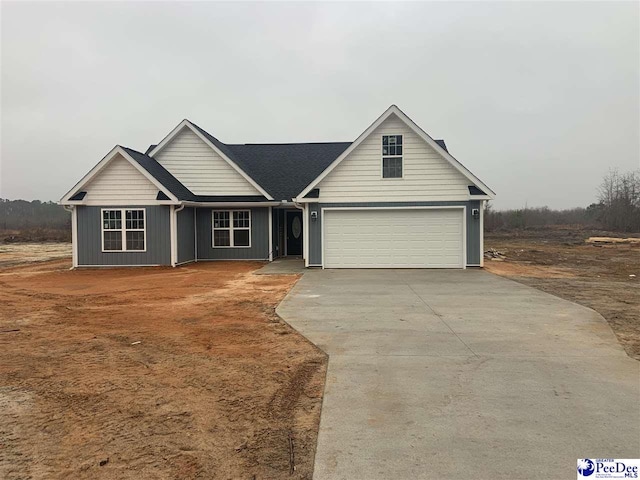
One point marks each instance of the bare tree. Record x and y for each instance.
(619, 196)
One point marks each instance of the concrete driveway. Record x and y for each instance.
(462, 374)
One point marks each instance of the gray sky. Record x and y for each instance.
(539, 100)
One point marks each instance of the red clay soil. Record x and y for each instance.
(217, 387)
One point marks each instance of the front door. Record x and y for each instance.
(294, 233)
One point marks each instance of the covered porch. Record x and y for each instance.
(237, 231)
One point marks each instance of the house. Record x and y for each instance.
(394, 197)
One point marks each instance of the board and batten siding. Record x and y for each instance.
(186, 235)
(118, 182)
(90, 238)
(200, 169)
(427, 176)
(473, 225)
(259, 249)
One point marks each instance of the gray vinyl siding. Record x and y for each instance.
(473, 234)
(157, 235)
(186, 235)
(473, 225)
(259, 249)
(315, 235)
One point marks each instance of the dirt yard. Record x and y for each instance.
(557, 261)
(19, 253)
(153, 373)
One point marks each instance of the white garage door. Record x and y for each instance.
(394, 238)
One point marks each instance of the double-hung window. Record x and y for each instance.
(392, 156)
(231, 228)
(123, 230)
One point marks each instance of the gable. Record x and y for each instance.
(199, 168)
(427, 174)
(119, 183)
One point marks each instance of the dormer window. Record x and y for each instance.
(392, 156)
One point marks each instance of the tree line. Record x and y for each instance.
(22, 215)
(617, 209)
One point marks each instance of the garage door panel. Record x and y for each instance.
(393, 238)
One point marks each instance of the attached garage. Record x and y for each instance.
(394, 238)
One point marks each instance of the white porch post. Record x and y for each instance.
(270, 234)
(195, 234)
(305, 234)
(173, 235)
(482, 233)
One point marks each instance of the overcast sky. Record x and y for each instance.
(538, 100)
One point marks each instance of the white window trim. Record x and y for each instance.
(230, 229)
(382, 157)
(123, 230)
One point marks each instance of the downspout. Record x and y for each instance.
(270, 258)
(74, 234)
(482, 202)
(195, 234)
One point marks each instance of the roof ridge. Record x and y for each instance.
(134, 150)
(286, 143)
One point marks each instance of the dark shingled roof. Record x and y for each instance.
(231, 198)
(151, 147)
(473, 190)
(442, 144)
(315, 193)
(284, 170)
(78, 196)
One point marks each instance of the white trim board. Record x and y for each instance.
(187, 124)
(270, 234)
(305, 233)
(74, 236)
(101, 165)
(482, 207)
(394, 110)
(173, 235)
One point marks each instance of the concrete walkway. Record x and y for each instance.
(445, 374)
(283, 266)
